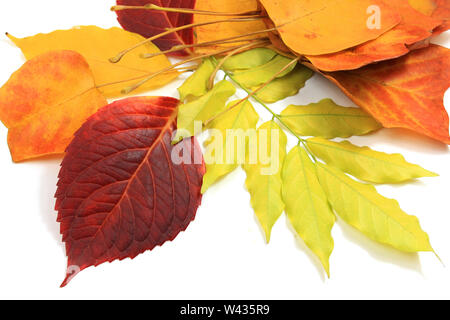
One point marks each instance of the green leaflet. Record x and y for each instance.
(264, 175)
(379, 218)
(366, 164)
(197, 84)
(203, 109)
(223, 152)
(328, 120)
(307, 206)
(249, 59)
(284, 87)
(259, 75)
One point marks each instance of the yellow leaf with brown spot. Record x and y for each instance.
(322, 26)
(46, 101)
(97, 46)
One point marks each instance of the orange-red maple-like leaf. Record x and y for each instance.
(414, 28)
(404, 93)
(442, 12)
(46, 101)
(120, 191)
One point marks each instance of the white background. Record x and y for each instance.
(222, 255)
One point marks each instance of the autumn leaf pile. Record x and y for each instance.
(120, 193)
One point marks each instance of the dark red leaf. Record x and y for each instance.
(149, 23)
(119, 193)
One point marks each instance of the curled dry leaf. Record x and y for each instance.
(97, 45)
(120, 193)
(316, 27)
(45, 102)
(404, 93)
(414, 27)
(149, 23)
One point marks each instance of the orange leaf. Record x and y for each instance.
(404, 93)
(414, 28)
(322, 26)
(442, 12)
(427, 7)
(45, 102)
(225, 30)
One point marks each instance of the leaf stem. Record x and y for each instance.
(121, 54)
(274, 115)
(182, 10)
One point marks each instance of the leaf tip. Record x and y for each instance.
(70, 274)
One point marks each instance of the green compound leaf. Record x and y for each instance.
(249, 59)
(203, 109)
(259, 75)
(197, 84)
(328, 120)
(379, 218)
(264, 174)
(226, 148)
(307, 206)
(365, 163)
(284, 87)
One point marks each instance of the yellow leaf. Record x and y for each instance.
(284, 87)
(379, 218)
(365, 163)
(249, 59)
(328, 120)
(97, 45)
(197, 84)
(226, 148)
(203, 109)
(264, 174)
(259, 75)
(307, 206)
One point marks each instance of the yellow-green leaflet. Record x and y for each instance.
(328, 120)
(225, 150)
(307, 206)
(203, 109)
(197, 84)
(284, 87)
(249, 59)
(259, 75)
(365, 163)
(264, 174)
(379, 218)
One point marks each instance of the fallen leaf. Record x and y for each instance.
(307, 205)
(97, 45)
(365, 163)
(264, 175)
(379, 218)
(197, 84)
(259, 75)
(414, 27)
(442, 12)
(119, 191)
(225, 30)
(45, 102)
(249, 59)
(424, 6)
(404, 93)
(322, 26)
(286, 86)
(203, 109)
(328, 120)
(149, 23)
(225, 150)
